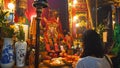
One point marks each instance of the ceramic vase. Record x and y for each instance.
(20, 48)
(7, 55)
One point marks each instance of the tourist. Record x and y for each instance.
(93, 52)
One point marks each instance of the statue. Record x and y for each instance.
(52, 24)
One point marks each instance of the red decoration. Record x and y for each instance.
(82, 7)
(6, 3)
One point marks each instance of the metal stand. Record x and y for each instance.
(38, 4)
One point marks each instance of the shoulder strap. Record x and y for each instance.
(109, 61)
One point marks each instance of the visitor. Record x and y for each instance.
(93, 52)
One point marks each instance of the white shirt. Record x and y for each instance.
(93, 62)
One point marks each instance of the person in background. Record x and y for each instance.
(93, 52)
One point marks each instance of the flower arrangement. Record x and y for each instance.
(7, 29)
(2, 16)
(20, 33)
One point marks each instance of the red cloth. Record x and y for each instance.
(30, 9)
(56, 47)
(47, 47)
(46, 37)
(69, 45)
(6, 4)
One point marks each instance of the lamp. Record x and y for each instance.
(38, 4)
(11, 8)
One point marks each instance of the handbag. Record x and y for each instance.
(111, 65)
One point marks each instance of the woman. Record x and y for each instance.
(93, 52)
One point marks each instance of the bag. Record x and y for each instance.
(109, 61)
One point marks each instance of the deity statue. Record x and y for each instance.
(52, 24)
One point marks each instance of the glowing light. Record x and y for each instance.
(11, 6)
(77, 25)
(70, 4)
(113, 25)
(75, 18)
(113, 22)
(75, 2)
(33, 16)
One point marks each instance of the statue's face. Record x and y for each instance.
(53, 13)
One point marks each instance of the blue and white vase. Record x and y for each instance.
(7, 57)
(20, 48)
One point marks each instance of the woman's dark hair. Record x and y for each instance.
(92, 44)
